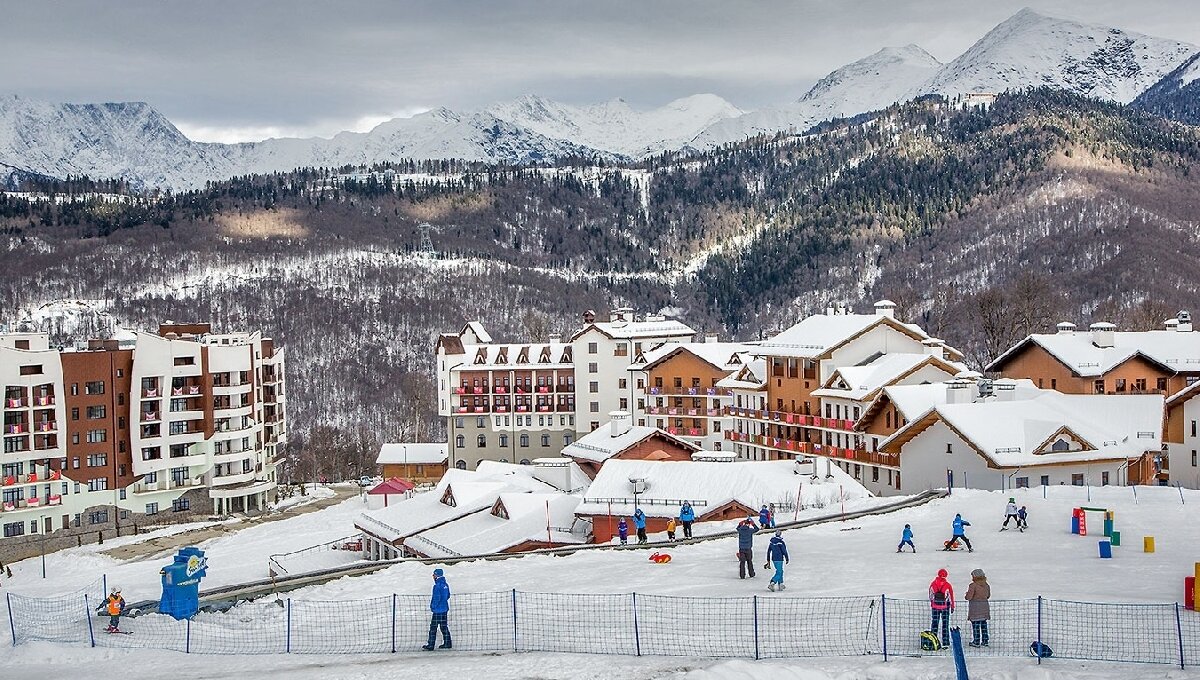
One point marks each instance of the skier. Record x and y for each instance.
(686, 517)
(623, 531)
(764, 518)
(978, 609)
(941, 604)
(1010, 512)
(639, 521)
(777, 555)
(906, 539)
(746, 529)
(959, 533)
(439, 605)
(1022, 514)
(671, 529)
(115, 606)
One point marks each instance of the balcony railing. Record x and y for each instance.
(566, 408)
(691, 391)
(564, 387)
(688, 431)
(46, 426)
(14, 403)
(150, 417)
(788, 418)
(44, 401)
(15, 428)
(150, 394)
(681, 411)
(815, 449)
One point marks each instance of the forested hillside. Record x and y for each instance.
(982, 224)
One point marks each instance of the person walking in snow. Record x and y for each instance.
(623, 531)
(439, 606)
(686, 516)
(959, 534)
(639, 522)
(746, 530)
(777, 555)
(1010, 513)
(1022, 514)
(941, 604)
(671, 529)
(906, 539)
(115, 606)
(764, 518)
(978, 609)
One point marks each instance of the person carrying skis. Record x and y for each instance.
(777, 555)
(978, 609)
(1010, 512)
(623, 531)
(439, 606)
(746, 530)
(764, 517)
(639, 522)
(686, 516)
(115, 606)
(1022, 514)
(941, 604)
(671, 529)
(959, 534)
(906, 539)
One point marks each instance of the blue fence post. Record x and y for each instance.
(637, 639)
(288, 636)
(12, 624)
(103, 585)
(883, 616)
(960, 661)
(393, 623)
(1179, 634)
(87, 606)
(514, 604)
(1039, 630)
(187, 642)
(756, 652)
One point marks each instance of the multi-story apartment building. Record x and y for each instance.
(810, 384)
(104, 433)
(518, 402)
(1182, 437)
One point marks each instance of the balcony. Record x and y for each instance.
(501, 409)
(566, 408)
(543, 408)
(501, 389)
(150, 394)
(47, 400)
(460, 390)
(543, 389)
(522, 408)
(686, 431)
(564, 387)
(14, 403)
(15, 428)
(788, 418)
(690, 391)
(815, 449)
(150, 417)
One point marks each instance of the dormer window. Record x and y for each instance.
(448, 498)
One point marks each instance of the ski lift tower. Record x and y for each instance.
(426, 242)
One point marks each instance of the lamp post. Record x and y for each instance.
(42, 521)
(638, 487)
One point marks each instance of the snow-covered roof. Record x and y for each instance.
(477, 328)
(1021, 432)
(483, 357)
(708, 486)
(665, 328)
(416, 453)
(599, 445)
(1177, 351)
(751, 376)
(531, 517)
(859, 382)
(471, 490)
(728, 356)
(914, 400)
(817, 334)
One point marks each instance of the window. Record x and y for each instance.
(622, 383)
(1161, 384)
(458, 422)
(481, 421)
(181, 504)
(120, 373)
(1193, 428)
(1054, 383)
(1022, 482)
(593, 387)
(1120, 386)
(31, 369)
(1098, 387)
(1045, 481)
(460, 464)
(545, 440)
(594, 407)
(1077, 479)
(75, 414)
(95, 412)
(1193, 457)
(624, 404)
(1140, 384)
(1104, 478)
(98, 517)
(21, 344)
(568, 438)
(185, 361)
(94, 387)
(592, 349)
(593, 367)
(874, 474)
(97, 460)
(14, 529)
(949, 448)
(524, 441)
(97, 436)
(98, 484)
(504, 441)
(481, 441)
(74, 389)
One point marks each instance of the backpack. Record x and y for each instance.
(1046, 651)
(939, 595)
(930, 642)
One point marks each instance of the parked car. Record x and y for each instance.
(365, 481)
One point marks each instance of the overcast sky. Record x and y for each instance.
(232, 70)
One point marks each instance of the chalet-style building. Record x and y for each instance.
(623, 440)
(422, 463)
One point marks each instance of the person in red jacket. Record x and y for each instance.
(941, 603)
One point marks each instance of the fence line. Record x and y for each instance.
(754, 627)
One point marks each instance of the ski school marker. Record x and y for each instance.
(660, 558)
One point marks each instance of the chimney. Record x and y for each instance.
(710, 337)
(841, 310)
(959, 391)
(1066, 328)
(1185, 321)
(1171, 324)
(885, 308)
(589, 316)
(619, 422)
(934, 347)
(555, 338)
(1005, 389)
(829, 311)
(1103, 334)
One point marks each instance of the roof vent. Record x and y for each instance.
(1185, 321)
(1066, 328)
(885, 308)
(1103, 334)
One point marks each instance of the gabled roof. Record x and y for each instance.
(722, 356)
(393, 486)
(819, 335)
(1183, 396)
(751, 376)
(537, 355)
(632, 330)
(1174, 351)
(414, 453)
(863, 381)
(531, 517)
(599, 445)
(911, 401)
(453, 343)
(476, 328)
(708, 486)
(1010, 433)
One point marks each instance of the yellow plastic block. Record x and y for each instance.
(1148, 544)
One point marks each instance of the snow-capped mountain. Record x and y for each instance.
(1177, 95)
(1032, 49)
(615, 127)
(871, 83)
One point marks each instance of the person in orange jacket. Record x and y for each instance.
(671, 529)
(115, 606)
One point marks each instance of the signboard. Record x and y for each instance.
(181, 583)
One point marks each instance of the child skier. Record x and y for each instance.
(1022, 514)
(906, 539)
(764, 518)
(959, 534)
(941, 604)
(115, 606)
(623, 531)
(639, 522)
(777, 555)
(671, 529)
(1010, 512)
(686, 516)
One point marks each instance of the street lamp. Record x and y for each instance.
(42, 521)
(639, 486)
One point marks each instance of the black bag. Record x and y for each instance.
(1046, 651)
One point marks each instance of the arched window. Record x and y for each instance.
(503, 460)
(525, 461)
(460, 441)
(1060, 445)
(460, 464)
(481, 441)
(524, 440)
(503, 441)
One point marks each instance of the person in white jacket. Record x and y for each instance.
(1010, 513)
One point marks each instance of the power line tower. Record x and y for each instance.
(426, 242)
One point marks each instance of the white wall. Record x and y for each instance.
(1183, 472)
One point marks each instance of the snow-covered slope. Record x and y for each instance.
(1177, 95)
(1032, 49)
(614, 126)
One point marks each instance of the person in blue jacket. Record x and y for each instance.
(764, 517)
(439, 605)
(777, 555)
(686, 516)
(639, 521)
(906, 539)
(746, 530)
(623, 531)
(959, 534)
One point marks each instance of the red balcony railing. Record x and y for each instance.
(14, 403)
(691, 391)
(788, 418)
(44, 401)
(460, 390)
(15, 428)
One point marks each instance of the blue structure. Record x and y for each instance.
(181, 583)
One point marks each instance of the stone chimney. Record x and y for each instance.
(1066, 328)
(885, 308)
(934, 347)
(1104, 334)
(1185, 321)
(619, 422)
